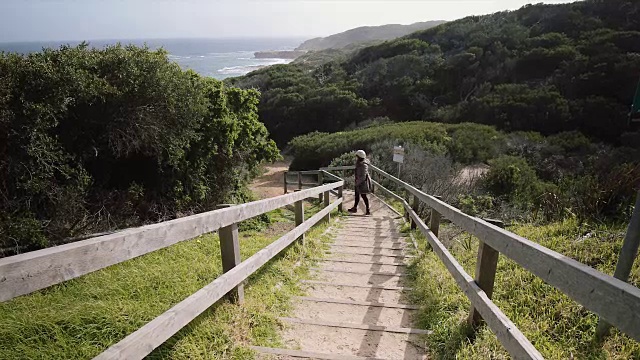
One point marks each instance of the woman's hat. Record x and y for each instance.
(361, 154)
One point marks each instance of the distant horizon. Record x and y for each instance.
(300, 37)
(74, 21)
(164, 38)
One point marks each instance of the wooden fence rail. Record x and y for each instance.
(23, 274)
(615, 301)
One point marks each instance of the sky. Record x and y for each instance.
(58, 20)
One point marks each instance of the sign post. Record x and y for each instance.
(398, 156)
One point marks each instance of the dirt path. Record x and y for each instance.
(270, 183)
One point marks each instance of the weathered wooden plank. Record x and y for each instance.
(299, 216)
(415, 206)
(327, 200)
(486, 266)
(380, 287)
(308, 354)
(230, 254)
(507, 333)
(330, 175)
(362, 272)
(359, 303)
(370, 254)
(144, 340)
(338, 168)
(370, 247)
(345, 325)
(25, 273)
(616, 301)
(360, 262)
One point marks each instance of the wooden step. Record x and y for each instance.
(367, 258)
(364, 246)
(369, 254)
(363, 272)
(359, 262)
(359, 303)
(380, 287)
(366, 251)
(362, 266)
(301, 354)
(346, 325)
(361, 278)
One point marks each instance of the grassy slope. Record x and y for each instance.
(82, 317)
(556, 325)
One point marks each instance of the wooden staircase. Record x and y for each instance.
(356, 305)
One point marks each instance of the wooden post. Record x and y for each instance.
(230, 253)
(407, 217)
(326, 203)
(340, 208)
(299, 216)
(415, 207)
(434, 224)
(299, 181)
(285, 181)
(320, 183)
(626, 258)
(486, 267)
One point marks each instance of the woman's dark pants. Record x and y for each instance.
(364, 198)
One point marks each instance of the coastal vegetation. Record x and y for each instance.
(542, 68)
(95, 140)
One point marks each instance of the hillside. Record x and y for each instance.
(544, 68)
(365, 34)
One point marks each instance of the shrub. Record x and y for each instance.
(512, 178)
(95, 140)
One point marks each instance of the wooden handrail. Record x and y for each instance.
(507, 333)
(144, 340)
(614, 300)
(25, 273)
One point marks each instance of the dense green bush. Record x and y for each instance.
(466, 143)
(94, 140)
(511, 177)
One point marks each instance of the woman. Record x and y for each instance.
(363, 181)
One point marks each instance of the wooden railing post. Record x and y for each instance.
(230, 253)
(406, 197)
(340, 189)
(415, 206)
(627, 255)
(285, 181)
(299, 181)
(326, 204)
(486, 267)
(299, 216)
(434, 224)
(320, 183)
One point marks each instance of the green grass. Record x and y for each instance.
(556, 325)
(82, 317)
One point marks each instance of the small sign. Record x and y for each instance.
(398, 154)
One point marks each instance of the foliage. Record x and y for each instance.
(512, 177)
(563, 330)
(542, 68)
(467, 143)
(96, 140)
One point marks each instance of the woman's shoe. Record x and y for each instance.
(368, 212)
(353, 210)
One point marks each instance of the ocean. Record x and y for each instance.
(218, 58)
